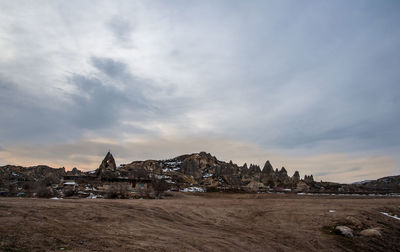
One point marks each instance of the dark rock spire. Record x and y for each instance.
(268, 169)
(108, 164)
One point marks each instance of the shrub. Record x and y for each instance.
(42, 191)
(49, 180)
(117, 191)
(159, 186)
(145, 193)
(68, 193)
(28, 185)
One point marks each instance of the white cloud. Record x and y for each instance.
(306, 77)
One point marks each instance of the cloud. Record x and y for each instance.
(121, 28)
(96, 103)
(25, 117)
(310, 78)
(97, 106)
(110, 67)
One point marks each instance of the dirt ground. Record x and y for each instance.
(187, 222)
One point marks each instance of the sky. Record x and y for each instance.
(309, 85)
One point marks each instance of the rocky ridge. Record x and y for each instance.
(191, 172)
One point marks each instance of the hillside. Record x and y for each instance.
(190, 172)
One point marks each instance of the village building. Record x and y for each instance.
(69, 185)
(104, 179)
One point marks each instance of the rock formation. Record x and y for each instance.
(309, 179)
(192, 170)
(296, 177)
(268, 169)
(107, 166)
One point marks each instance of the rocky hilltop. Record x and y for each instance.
(206, 171)
(190, 172)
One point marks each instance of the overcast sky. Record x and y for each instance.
(310, 85)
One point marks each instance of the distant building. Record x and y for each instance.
(69, 185)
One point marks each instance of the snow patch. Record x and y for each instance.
(162, 176)
(392, 216)
(94, 196)
(362, 182)
(207, 175)
(69, 183)
(177, 163)
(193, 189)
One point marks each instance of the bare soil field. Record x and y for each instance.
(198, 222)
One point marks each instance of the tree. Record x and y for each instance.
(159, 186)
(43, 191)
(117, 190)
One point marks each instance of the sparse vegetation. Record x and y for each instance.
(43, 191)
(68, 192)
(117, 191)
(159, 186)
(144, 193)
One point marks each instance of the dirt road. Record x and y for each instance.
(185, 222)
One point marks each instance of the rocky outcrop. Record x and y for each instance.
(254, 186)
(197, 169)
(74, 172)
(308, 179)
(345, 231)
(197, 165)
(191, 166)
(107, 166)
(17, 180)
(268, 169)
(353, 222)
(254, 172)
(283, 178)
(371, 232)
(385, 184)
(295, 178)
(275, 178)
(254, 169)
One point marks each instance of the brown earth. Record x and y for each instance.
(189, 222)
